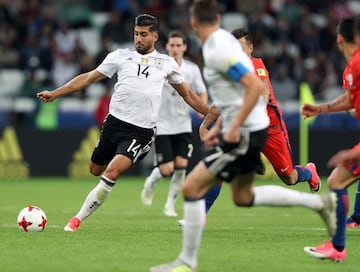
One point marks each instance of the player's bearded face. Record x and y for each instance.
(144, 39)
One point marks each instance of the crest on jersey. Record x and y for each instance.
(144, 60)
(350, 79)
(159, 63)
(261, 72)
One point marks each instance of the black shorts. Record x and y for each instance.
(119, 137)
(170, 146)
(226, 161)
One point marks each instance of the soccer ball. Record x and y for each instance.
(31, 219)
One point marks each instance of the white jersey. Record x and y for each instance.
(140, 79)
(174, 114)
(225, 63)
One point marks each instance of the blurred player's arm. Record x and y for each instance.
(340, 103)
(212, 136)
(254, 88)
(205, 98)
(77, 83)
(191, 98)
(209, 119)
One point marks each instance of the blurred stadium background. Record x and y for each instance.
(45, 43)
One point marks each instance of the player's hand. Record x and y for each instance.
(203, 131)
(308, 110)
(232, 136)
(45, 96)
(211, 137)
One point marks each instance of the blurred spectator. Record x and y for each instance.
(118, 28)
(77, 14)
(290, 10)
(33, 56)
(65, 68)
(106, 47)
(312, 75)
(35, 81)
(65, 38)
(284, 87)
(9, 55)
(179, 14)
(155, 7)
(5, 14)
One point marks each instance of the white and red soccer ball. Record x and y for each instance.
(32, 219)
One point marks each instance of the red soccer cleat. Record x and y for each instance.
(314, 182)
(326, 251)
(351, 223)
(73, 224)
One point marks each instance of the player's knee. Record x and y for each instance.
(333, 183)
(166, 170)
(244, 200)
(191, 192)
(96, 170)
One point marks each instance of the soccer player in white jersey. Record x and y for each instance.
(174, 128)
(129, 129)
(240, 132)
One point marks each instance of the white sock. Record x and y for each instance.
(177, 180)
(95, 198)
(273, 195)
(154, 177)
(194, 216)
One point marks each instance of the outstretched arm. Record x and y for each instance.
(204, 97)
(254, 88)
(340, 103)
(77, 83)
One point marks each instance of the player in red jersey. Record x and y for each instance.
(354, 219)
(277, 148)
(346, 163)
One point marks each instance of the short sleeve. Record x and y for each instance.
(232, 61)
(174, 75)
(109, 65)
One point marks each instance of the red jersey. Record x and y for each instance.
(353, 79)
(274, 112)
(346, 78)
(277, 148)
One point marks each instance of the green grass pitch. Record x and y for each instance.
(125, 236)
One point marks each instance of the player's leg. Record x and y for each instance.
(354, 219)
(118, 149)
(99, 194)
(182, 150)
(197, 183)
(164, 168)
(211, 196)
(177, 179)
(278, 151)
(161, 171)
(339, 179)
